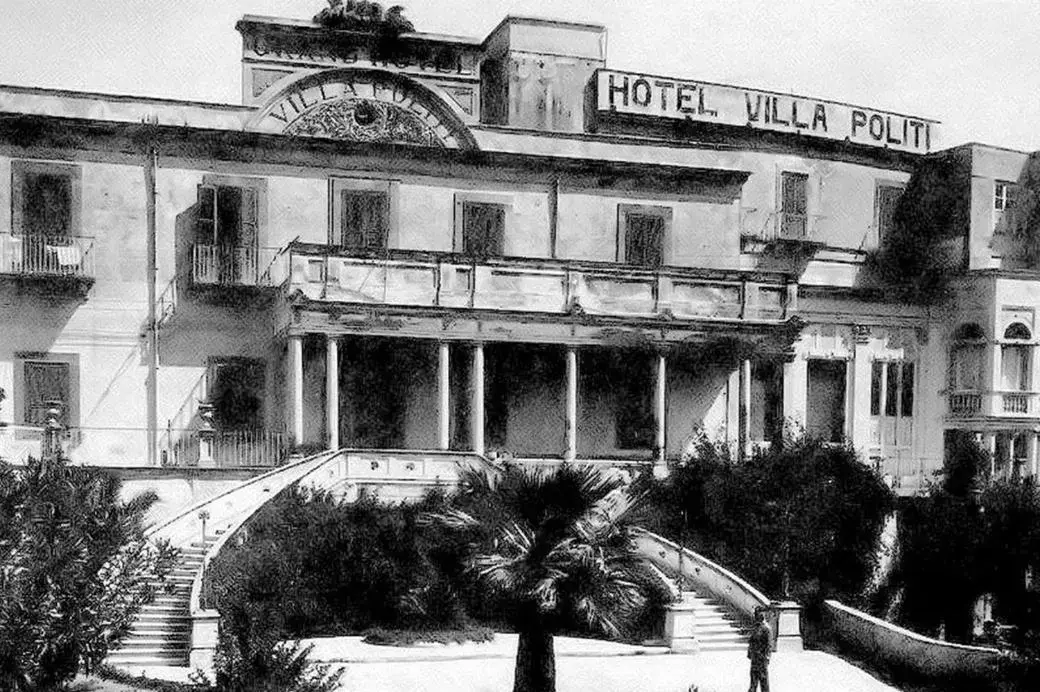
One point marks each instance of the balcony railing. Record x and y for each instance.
(47, 256)
(1018, 403)
(256, 448)
(235, 265)
(965, 403)
(539, 286)
(1006, 404)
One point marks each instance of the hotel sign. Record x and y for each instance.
(659, 97)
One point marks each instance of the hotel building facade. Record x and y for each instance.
(496, 245)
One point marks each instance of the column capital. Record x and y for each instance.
(861, 333)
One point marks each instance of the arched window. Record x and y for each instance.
(1015, 356)
(967, 347)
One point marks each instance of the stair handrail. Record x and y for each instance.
(727, 586)
(195, 599)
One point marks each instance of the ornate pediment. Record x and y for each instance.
(364, 106)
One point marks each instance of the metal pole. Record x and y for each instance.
(152, 405)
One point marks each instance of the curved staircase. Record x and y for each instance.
(161, 634)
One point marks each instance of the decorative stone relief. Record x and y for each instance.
(365, 120)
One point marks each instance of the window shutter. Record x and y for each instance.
(250, 217)
(206, 224)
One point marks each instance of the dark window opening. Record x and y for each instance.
(364, 219)
(826, 404)
(644, 239)
(236, 390)
(634, 411)
(226, 235)
(46, 384)
(483, 229)
(47, 205)
(767, 401)
(887, 200)
(898, 388)
(794, 205)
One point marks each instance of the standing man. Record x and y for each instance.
(760, 646)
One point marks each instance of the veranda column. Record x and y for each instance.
(744, 435)
(862, 430)
(572, 404)
(1034, 453)
(296, 387)
(332, 390)
(444, 395)
(660, 405)
(477, 406)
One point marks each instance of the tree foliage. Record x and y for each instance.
(800, 519)
(554, 547)
(967, 537)
(926, 246)
(75, 570)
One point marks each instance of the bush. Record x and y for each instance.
(800, 519)
(331, 568)
(75, 570)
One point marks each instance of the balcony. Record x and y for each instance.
(538, 286)
(1001, 404)
(55, 264)
(254, 448)
(238, 268)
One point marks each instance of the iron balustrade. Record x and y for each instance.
(238, 265)
(964, 403)
(40, 255)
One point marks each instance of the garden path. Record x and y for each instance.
(582, 665)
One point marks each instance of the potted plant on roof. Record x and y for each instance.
(364, 16)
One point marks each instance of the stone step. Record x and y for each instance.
(146, 659)
(723, 646)
(180, 625)
(155, 644)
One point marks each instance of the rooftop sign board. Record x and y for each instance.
(679, 99)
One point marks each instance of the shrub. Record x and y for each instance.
(75, 569)
(800, 519)
(331, 568)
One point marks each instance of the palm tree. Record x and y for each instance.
(555, 547)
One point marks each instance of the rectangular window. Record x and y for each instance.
(364, 219)
(644, 236)
(907, 391)
(642, 232)
(45, 200)
(228, 216)
(794, 205)
(46, 383)
(227, 232)
(826, 404)
(767, 401)
(898, 388)
(1004, 194)
(877, 369)
(236, 390)
(886, 201)
(483, 229)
